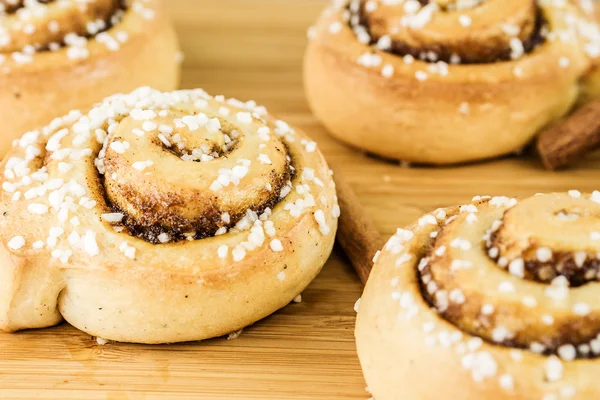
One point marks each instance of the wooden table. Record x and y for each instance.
(252, 49)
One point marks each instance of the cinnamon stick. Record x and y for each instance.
(357, 234)
(570, 138)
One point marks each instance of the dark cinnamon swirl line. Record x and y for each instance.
(180, 230)
(578, 268)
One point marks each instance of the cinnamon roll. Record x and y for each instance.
(490, 300)
(59, 55)
(161, 217)
(449, 81)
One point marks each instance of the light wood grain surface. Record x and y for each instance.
(252, 49)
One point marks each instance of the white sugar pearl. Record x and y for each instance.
(16, 242)
(276, 245)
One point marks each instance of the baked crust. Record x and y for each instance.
(68, 249)
(140, 49)
(474, 302)
(407, 109)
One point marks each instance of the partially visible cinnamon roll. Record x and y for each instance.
(59, 55)
(161, 217)
(449, 81)
(490, 300)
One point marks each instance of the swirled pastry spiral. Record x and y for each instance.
(161, 217)
(60, 55)
(449, 81)
(491, 300)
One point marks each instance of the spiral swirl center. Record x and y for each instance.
(221, 182)
(537, 255)
(491, 271)
(456, 32)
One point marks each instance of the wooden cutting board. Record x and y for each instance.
(253, 50)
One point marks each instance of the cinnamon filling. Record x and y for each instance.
(577, 268)
(176, 228)
(497, 42)
(453, 5)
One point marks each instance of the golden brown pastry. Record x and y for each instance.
(495, 299)
(445, 81)
(161, 217)
(60, 55)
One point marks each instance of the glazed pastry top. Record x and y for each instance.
(445, 33)
(160, 170)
